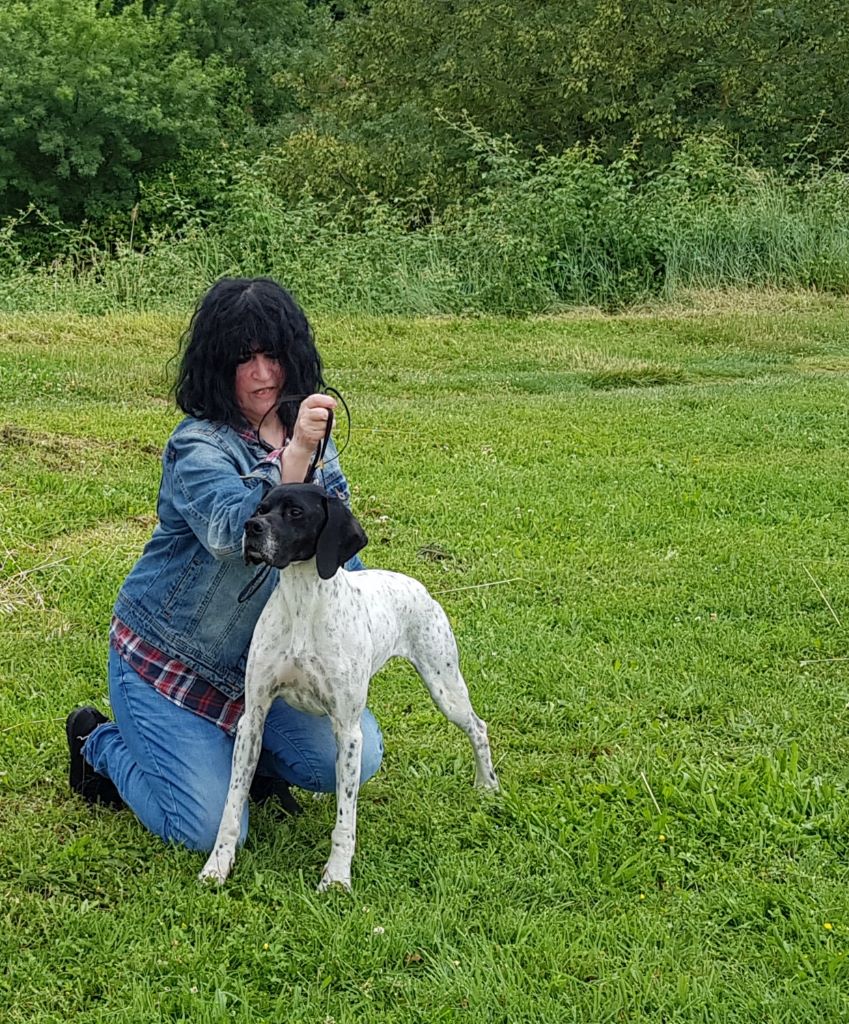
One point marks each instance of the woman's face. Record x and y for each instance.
(258, 382)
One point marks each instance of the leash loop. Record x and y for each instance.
(321, 448)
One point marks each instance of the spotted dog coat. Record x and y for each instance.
(322, 636)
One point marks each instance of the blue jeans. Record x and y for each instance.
(172, 767)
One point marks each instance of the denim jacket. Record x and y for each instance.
(182, 594)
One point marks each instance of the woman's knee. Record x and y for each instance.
(301, 748)
(170, 766)
(191, 811)
(372, 746)
(199, 830)
(370, 759)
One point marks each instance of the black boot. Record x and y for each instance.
(265, 788)
(93, 787)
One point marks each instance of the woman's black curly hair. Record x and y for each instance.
(238, 316)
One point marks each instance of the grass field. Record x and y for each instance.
(638, 528)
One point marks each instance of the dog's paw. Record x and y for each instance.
(217, 868)
(487, 780)
(329, 882)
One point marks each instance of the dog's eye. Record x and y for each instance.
(296, 513)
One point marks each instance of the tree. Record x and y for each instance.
(89, 100)
(256, 38)
(772, 76)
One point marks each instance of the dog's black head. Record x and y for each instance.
(296, 522)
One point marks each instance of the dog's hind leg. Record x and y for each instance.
(245, 757)
(436, 660)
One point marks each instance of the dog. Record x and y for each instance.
(319, 640)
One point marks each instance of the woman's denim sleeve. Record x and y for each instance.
(211, 493)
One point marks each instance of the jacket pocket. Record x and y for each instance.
(183, 598)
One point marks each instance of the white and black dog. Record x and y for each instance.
(322, 636)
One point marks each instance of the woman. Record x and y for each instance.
(248, 382)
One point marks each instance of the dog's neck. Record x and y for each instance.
(305, 574)
(301, 591)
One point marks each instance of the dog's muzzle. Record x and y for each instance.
(253, 542)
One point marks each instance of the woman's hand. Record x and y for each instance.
(307, 433)
(312, 421)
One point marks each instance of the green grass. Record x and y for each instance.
(671, 843)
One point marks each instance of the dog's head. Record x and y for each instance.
(296, 522)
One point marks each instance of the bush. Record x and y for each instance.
(542, 235)
(92, 100)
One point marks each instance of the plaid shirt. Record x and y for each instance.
(174, 680)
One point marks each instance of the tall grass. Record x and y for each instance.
(541, 236)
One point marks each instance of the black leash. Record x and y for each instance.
(255, 583)
(321, 450)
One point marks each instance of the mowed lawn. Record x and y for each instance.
(638, 528)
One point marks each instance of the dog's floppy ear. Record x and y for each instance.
(340, 539)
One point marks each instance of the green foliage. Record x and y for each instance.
(422, 156)
(397, 73)
(355, 104)
(256, 39)
(89, 102)
(539, 236)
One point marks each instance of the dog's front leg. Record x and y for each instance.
(349, 753)
(246, 753)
